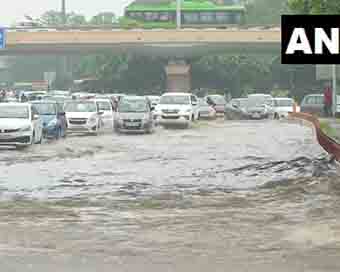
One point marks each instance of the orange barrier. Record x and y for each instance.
(327, 143)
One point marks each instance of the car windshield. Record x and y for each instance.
(104, 106)
(80, 107)
(283, 103)
(130, 105)
(259, 101)
(46, 108)
(20, 112)
(217, 99)
(175, 100)
(203, 103)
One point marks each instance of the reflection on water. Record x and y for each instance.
(227, 194)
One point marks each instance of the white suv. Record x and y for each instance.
(177, 109)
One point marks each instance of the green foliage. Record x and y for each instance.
(265, 11)
(55, 18)
(104, 18)
(230, 73)
(315, 6)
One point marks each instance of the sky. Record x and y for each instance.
(14, 10)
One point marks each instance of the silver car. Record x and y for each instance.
(134, 114)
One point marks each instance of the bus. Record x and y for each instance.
(195, 13)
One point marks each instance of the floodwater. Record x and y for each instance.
(221, 196)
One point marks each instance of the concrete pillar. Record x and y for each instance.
(178, 76)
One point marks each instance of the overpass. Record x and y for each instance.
(172, 44)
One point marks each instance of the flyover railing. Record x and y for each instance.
(117, 27)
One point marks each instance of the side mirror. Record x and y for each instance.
(100, 112)
(234, 106)
(36, 117)
(194, 103)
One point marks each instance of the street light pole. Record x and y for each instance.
(178, 14)
(334, 81)
(63, 11)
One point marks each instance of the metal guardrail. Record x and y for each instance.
(116, 27)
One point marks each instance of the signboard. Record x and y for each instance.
(324, 72)
(40, 85)
(2, 38)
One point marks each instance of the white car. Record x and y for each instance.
(282, 106)
(260, 106)
(83, 116)
(177, 109)
(20, 125)
(106, 106)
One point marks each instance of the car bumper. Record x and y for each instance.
(82, 128)
(16, 139)
(173, 120)
(208, 115)
(143, 127)
(253, 115)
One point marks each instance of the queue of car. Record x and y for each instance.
(59, 113)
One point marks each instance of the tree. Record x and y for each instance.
(315, 6)
(233, 73)
(265, 11)
(104, 18)
(55, 18)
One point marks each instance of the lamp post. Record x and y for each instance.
(63, 11)
(334, 79)
(178, 14)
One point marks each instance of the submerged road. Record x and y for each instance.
(238, 196)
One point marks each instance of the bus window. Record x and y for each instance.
(222, 17)
(191, 17)
(207, 17)
(164, 16)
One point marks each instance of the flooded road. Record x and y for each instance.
(244, 196)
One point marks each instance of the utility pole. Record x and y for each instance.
(334, 79)
(63, 11)
(178, 14)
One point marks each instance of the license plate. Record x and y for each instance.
(129, 124)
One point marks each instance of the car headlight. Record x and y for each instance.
(92, 120)
(52, 123)
(26, 128)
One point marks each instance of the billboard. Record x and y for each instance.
(2, 38)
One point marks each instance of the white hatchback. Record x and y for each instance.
(83, 116)
(20, 125)
(177, 109)
(106, 107)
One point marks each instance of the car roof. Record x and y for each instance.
(43, 102)
(259, 94)
(102, 100)
(134, 97)
(13, 104)
(173, 94)
(282, 98)
(314, 95)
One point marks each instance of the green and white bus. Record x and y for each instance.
(195, 13)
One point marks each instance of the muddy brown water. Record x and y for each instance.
(221, 196)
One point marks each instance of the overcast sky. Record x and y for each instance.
(14, 10)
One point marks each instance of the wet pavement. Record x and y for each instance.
(239, 196)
